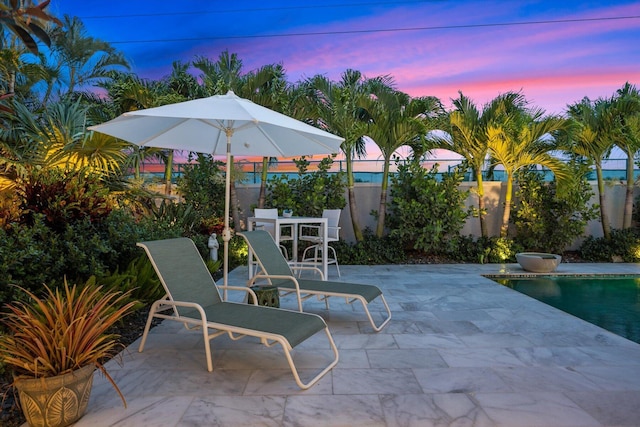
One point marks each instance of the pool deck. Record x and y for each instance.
(461, 350)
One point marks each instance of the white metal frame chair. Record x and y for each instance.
(311, 233)
(270, 228)
(194, 300)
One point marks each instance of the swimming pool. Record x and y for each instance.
(611, 302)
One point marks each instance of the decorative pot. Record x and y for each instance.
(538, 262)
(56, 401)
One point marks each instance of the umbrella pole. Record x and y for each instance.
(226, 233)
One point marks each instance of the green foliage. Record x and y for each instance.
(62, 197)
(485, 250)
(548, 220)
(202, 186)
(310, 192)
(139, 280)
(624, 244)
(426, 214)
(372, 250)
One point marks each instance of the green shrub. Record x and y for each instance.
(372, 250)
(426, 213)
(485, 250)
(623, 243)
(548, 220)
(310, 192)
(202, 185)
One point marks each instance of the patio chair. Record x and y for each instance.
(311, 233)
(193, 298)
(272, 213)
(277, 272)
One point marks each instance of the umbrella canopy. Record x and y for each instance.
(221, 125)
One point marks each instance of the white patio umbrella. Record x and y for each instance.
(217, 125)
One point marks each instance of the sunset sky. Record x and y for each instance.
(555, 52)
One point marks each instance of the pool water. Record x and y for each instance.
(612, 303)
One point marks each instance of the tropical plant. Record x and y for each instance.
(80, 59)
(338, 108)
(26, 19)
(591, 140)
(63, 331)
(466, 134)
(520, 138)
(547, 220)
(310, 192)
(626, 135)
(427, 213)
(396, 120)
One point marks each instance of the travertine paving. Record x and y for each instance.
(461, 350)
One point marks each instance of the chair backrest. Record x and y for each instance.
(333, 220)
(267, 253)
(266, 213)
(182, 272)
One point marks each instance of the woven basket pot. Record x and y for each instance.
(56, 401)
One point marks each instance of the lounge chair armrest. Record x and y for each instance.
(243, 289)
(279, 276)
(174, 304)
(307, 268)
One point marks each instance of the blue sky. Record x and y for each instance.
(555, 52)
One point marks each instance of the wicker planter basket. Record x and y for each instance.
(56, 401)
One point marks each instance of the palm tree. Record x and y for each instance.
(80, 59)
(592, 140)
(396, 120)
(626, 136)
(522, 138)
(339, 109)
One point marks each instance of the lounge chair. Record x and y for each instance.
(193, 297)
(275, 269)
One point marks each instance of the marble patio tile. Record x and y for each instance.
(552, 356)
(237, 411)
(460, 380)
(627, 355)
(274, 358)
(139, 412)
(434, 341)
(613, 378)
(327, 411)
(375, 381)
(457, 327)
(542, 409)
(462, 314)
(539, 378)
(406, 358)
(395, 326)
(611, 408)
(280, 382)
(368, 341)
(479, 357)
(433, 410)
(495, 340)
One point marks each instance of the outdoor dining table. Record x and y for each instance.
(296, 221)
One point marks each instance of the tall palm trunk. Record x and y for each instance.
(504, 228)
(628, 200)
(353, 206)
(263, 182)
(168, 173)
(382, 210)
(481, 205)
(604, 218)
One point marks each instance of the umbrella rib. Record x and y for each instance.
(155, 135)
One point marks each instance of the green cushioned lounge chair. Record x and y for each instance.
(194, 300)
(278, 272)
